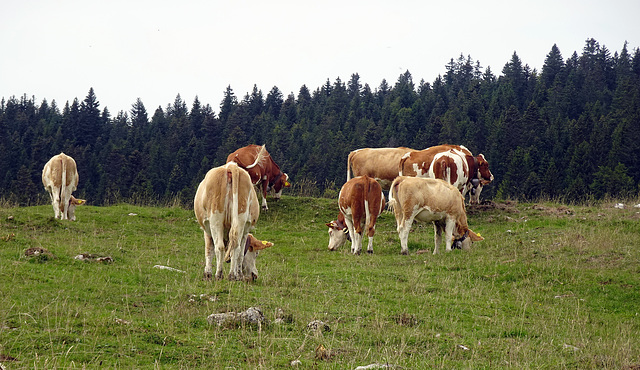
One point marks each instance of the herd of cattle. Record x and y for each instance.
(429, 185)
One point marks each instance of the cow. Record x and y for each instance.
(360, 202)
(251, 250)
(378, 163)
(431, 200)
(60, 179)
(226, 207)
(264, 172)
(455, 164)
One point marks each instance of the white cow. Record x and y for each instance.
(227, 208)
(431, 200)
(60, 179)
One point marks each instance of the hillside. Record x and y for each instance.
(550, 286)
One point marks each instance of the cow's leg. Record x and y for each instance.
(437, 237)
(450, 225)
(265, 184)
(208, 256)
(403, 233)
(218, 244)
(237, 256)
(64, 198)
(53, 204)
(356, 239)
(55, 201)
(370, 245)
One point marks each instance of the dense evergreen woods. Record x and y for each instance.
(571, 130)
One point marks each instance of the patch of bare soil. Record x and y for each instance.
(488, 205)
(554, 211)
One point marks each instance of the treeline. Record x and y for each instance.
(571, 130)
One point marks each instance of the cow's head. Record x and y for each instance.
(464, 241)
(484, 174)
(73, 202)
(251, 251)
(281, 182)
(338, 233)
(483, 177)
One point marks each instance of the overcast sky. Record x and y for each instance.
(156, 49)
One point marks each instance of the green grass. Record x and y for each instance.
(551, 286)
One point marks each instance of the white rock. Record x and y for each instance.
(168, 268)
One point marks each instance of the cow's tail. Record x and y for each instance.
(394, 205)
(63, 188)
(232, 208)
(262, 154)
(349, 159)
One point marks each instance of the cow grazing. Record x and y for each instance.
(378, 163)
(264, 172)
(226, 206)
(431, 200)
(60, 179)
(452, 163)
(251, 250)
(360, 202)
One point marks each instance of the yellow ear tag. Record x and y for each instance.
(287, 183)
(479, 235)
(265, 242)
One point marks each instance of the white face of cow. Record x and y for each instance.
(73, 202)
(337, 236)
(249, 262)
(249, 265)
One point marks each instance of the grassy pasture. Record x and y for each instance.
(552, 286)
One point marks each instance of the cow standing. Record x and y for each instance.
(378, 163)
(60, 179)
(264, 172)
(431, 200)
(452, 163)
(226, 206)
(360, 202)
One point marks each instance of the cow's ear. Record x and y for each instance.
(79, 201)
(475, 237)
(262, 245)
(331, 224)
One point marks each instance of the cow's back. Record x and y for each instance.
(58, 166)
(418, 162)
(212, 194)
(436, 194)
(380, 164)
(245, 158)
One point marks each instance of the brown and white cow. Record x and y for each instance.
(252, 248)
(452, 163)
(60, 179)
(360, 202)
(226, 206)
(431, 200)
(378, 163)
(264, 172)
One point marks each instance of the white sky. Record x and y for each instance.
(156, 49)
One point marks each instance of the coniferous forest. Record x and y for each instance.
(569, 131)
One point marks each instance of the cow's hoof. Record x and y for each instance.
(369, 252)
(404, 253)
(219, 275)
(206, 276)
